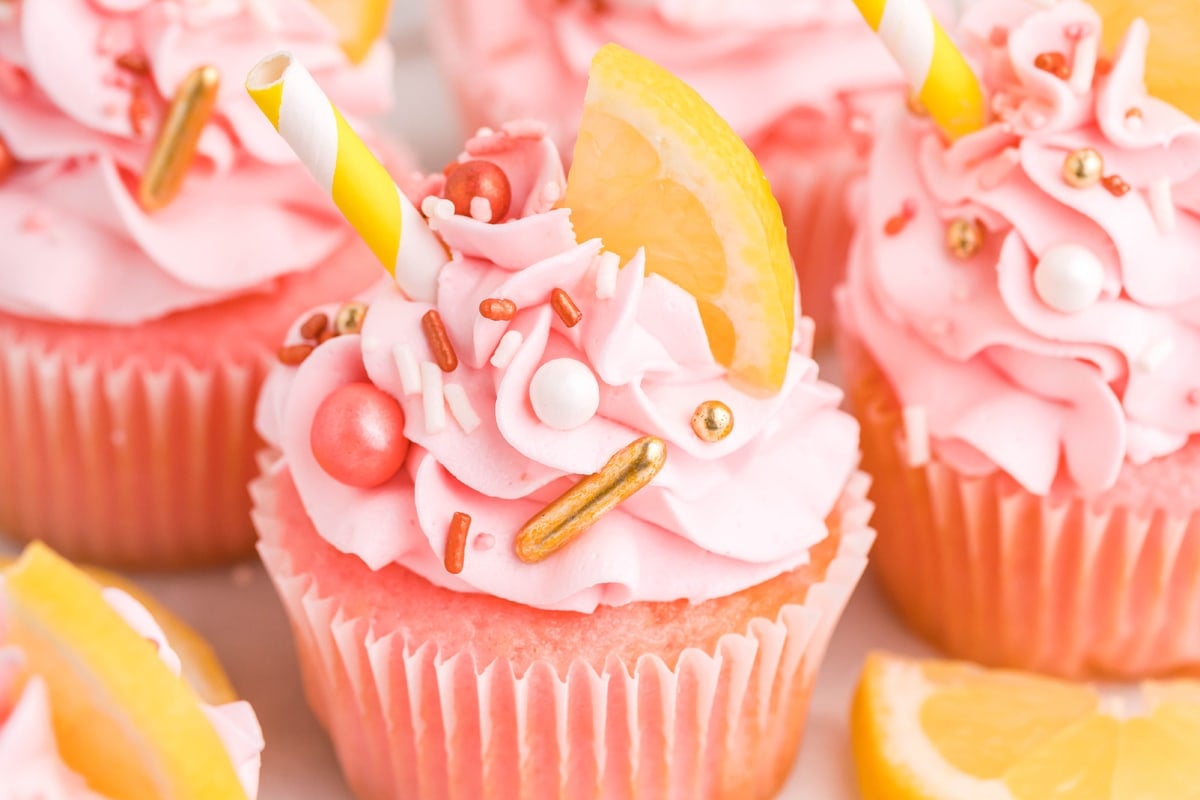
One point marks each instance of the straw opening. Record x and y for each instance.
(269, 71)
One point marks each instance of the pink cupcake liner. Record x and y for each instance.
(126, 463)
(408, 720)
(132, 445)
(1069, 585)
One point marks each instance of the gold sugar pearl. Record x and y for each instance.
(350, 318)
(712, 421)
(965, 237)
(1083, 168)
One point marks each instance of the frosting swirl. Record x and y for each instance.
(718, 518)
(1008, 381)
(82, 85)
(498, 52)
(29, 757)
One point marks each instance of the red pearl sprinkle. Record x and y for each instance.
(358, 435)
(478, 178)
(1054, 63)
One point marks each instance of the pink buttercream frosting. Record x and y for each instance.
(790, 68)
(75, 244)
(1006, 380)
(30, 764)
(717, 519)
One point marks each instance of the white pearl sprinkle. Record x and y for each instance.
(1069, 278)
(916, 435)
(409, 369)
(608, 266)
(481, 209)
(461, 408)
(433, 399)
(565, 393)
(510, 342)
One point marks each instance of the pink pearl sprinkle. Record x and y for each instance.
(484, 541)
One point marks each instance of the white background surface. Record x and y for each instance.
(237, 610)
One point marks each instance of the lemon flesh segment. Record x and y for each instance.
(1174, 42)
(934, 730)
(121, 719)
(201, 668)
(360, 23)
(655, 167)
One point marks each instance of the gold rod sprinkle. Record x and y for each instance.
(581, 506)
(178, 136)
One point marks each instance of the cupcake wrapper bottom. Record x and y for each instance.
(408, 721)
(990, 572)
(112, 461)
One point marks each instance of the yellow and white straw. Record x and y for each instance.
(935, 68)
(360, 186)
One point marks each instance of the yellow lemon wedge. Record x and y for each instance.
(201, 668)
(359, 23)
(122, 720)
(1174, 43)
(941, 730)
(656, 167)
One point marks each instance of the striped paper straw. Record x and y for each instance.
(935, 68)
(360, 186)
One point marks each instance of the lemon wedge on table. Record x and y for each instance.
(656, 167)
(201, 668)
(1171, 65)
(934, 730)
(121, 719)
(359, 23)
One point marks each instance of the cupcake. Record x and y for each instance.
(581, 525)
(798, 80)
(139, 316)
(93, 698)
(1021, 348)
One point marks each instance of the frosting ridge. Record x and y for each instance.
(83, 84)
(786, 461)
(1008, 380)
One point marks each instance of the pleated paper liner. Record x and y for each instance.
(132, 446)
(1095, 587)
(414, 718)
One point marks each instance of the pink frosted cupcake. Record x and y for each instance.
(796, 79)
(133, 342)
(1022, 344)
(416, 515)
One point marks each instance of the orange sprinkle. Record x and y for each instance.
(326, 335)
(133, 62)
(439, 340)
(456, 542)
(1054, 63)
(139, 111)
(896, 224)
(294, 354)
(497, 308)
(1115, 184)
(7, 162)
(314, 326)
(565, 307)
